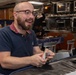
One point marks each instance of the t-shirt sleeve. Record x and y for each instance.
(5, 44)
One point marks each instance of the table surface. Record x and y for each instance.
(61, 67)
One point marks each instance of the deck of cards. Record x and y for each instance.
(45, 54)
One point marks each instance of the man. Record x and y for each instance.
(18, 45)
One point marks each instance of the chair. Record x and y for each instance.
(70, 46)
(50, 45)
(65, 53)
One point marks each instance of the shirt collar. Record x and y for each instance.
(12, 27)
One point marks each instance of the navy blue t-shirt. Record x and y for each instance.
(17, 44)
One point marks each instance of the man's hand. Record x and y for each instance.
(48, 54)
(37, 60)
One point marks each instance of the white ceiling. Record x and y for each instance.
(4, 2)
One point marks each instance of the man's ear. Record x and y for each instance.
(15, 15)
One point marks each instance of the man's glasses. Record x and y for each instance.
(28, 12)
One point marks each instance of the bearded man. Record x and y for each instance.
(18, 44)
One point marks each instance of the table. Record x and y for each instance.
(61, 67)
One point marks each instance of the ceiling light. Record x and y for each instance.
(35, 2)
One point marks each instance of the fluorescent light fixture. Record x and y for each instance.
(35, 2)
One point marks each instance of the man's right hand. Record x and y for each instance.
(37, 60)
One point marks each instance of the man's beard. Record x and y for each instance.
(22, 24)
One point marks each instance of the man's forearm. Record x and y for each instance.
(15, 62)
(37, 50)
